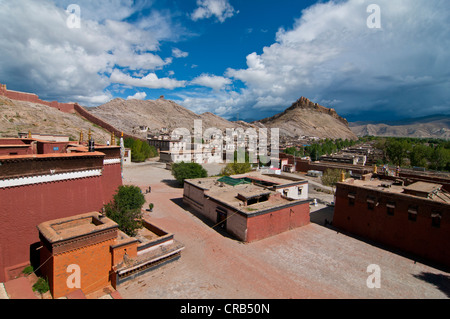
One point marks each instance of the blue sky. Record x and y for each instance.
(248, 57)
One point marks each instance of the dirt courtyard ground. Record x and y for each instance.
(313, 261)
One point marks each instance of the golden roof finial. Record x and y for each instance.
(342, 176)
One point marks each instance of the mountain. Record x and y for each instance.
(21, 117)
(433, 126)
(305, 118)
(134, 117)
(302, 118)
(129, 115)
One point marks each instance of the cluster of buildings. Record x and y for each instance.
(215, 147)
(52, 194)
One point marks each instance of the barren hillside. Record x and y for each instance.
(302, 118)
(433, 126)
(129, 115)
(18, 116)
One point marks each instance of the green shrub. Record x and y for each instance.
(125, 209)
(28, 270)
(182, 171)
(41, 285)
(140, 150)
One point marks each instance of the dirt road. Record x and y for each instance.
(308, 262)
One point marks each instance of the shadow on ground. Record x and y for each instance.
(205, 220)
(172, 183)
(440, 281)
(323, 216)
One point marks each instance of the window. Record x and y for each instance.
(351, 199)
(390, 207)
(300, 191)
(436, 219)
(370, 202)
(412, 213)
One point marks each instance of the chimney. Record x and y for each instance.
(91, 145)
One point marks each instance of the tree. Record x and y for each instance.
(419, 155)
(293, 151)
(182, 171)
(236, 168)
(440, 158)
(332, 176)
(140, 150)
(397, 151)
(125, 209)
(129, 197)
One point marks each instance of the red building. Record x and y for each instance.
(41, 181)
(91, 253)
(250, 207)
(414, 218)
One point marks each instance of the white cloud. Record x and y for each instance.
(331, 55)
(150, 81)
(41, 54)
(217, 83)
(137, 96)
(221, 9)
(177, 53)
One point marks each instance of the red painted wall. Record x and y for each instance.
(417, 237)
(24, 207)
(111, 180)
(266, 225)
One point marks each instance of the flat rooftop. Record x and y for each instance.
(70, 227)
(432, 190)
(229, 194)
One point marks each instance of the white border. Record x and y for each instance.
(48, 178)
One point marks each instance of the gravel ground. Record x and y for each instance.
(313, 261)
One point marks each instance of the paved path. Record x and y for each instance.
(308, 262)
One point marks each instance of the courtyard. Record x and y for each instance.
(314, 261)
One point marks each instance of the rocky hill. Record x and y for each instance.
(436, 126)
(134, 117)
(130, 115)
(19, 116)
(305, 118)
